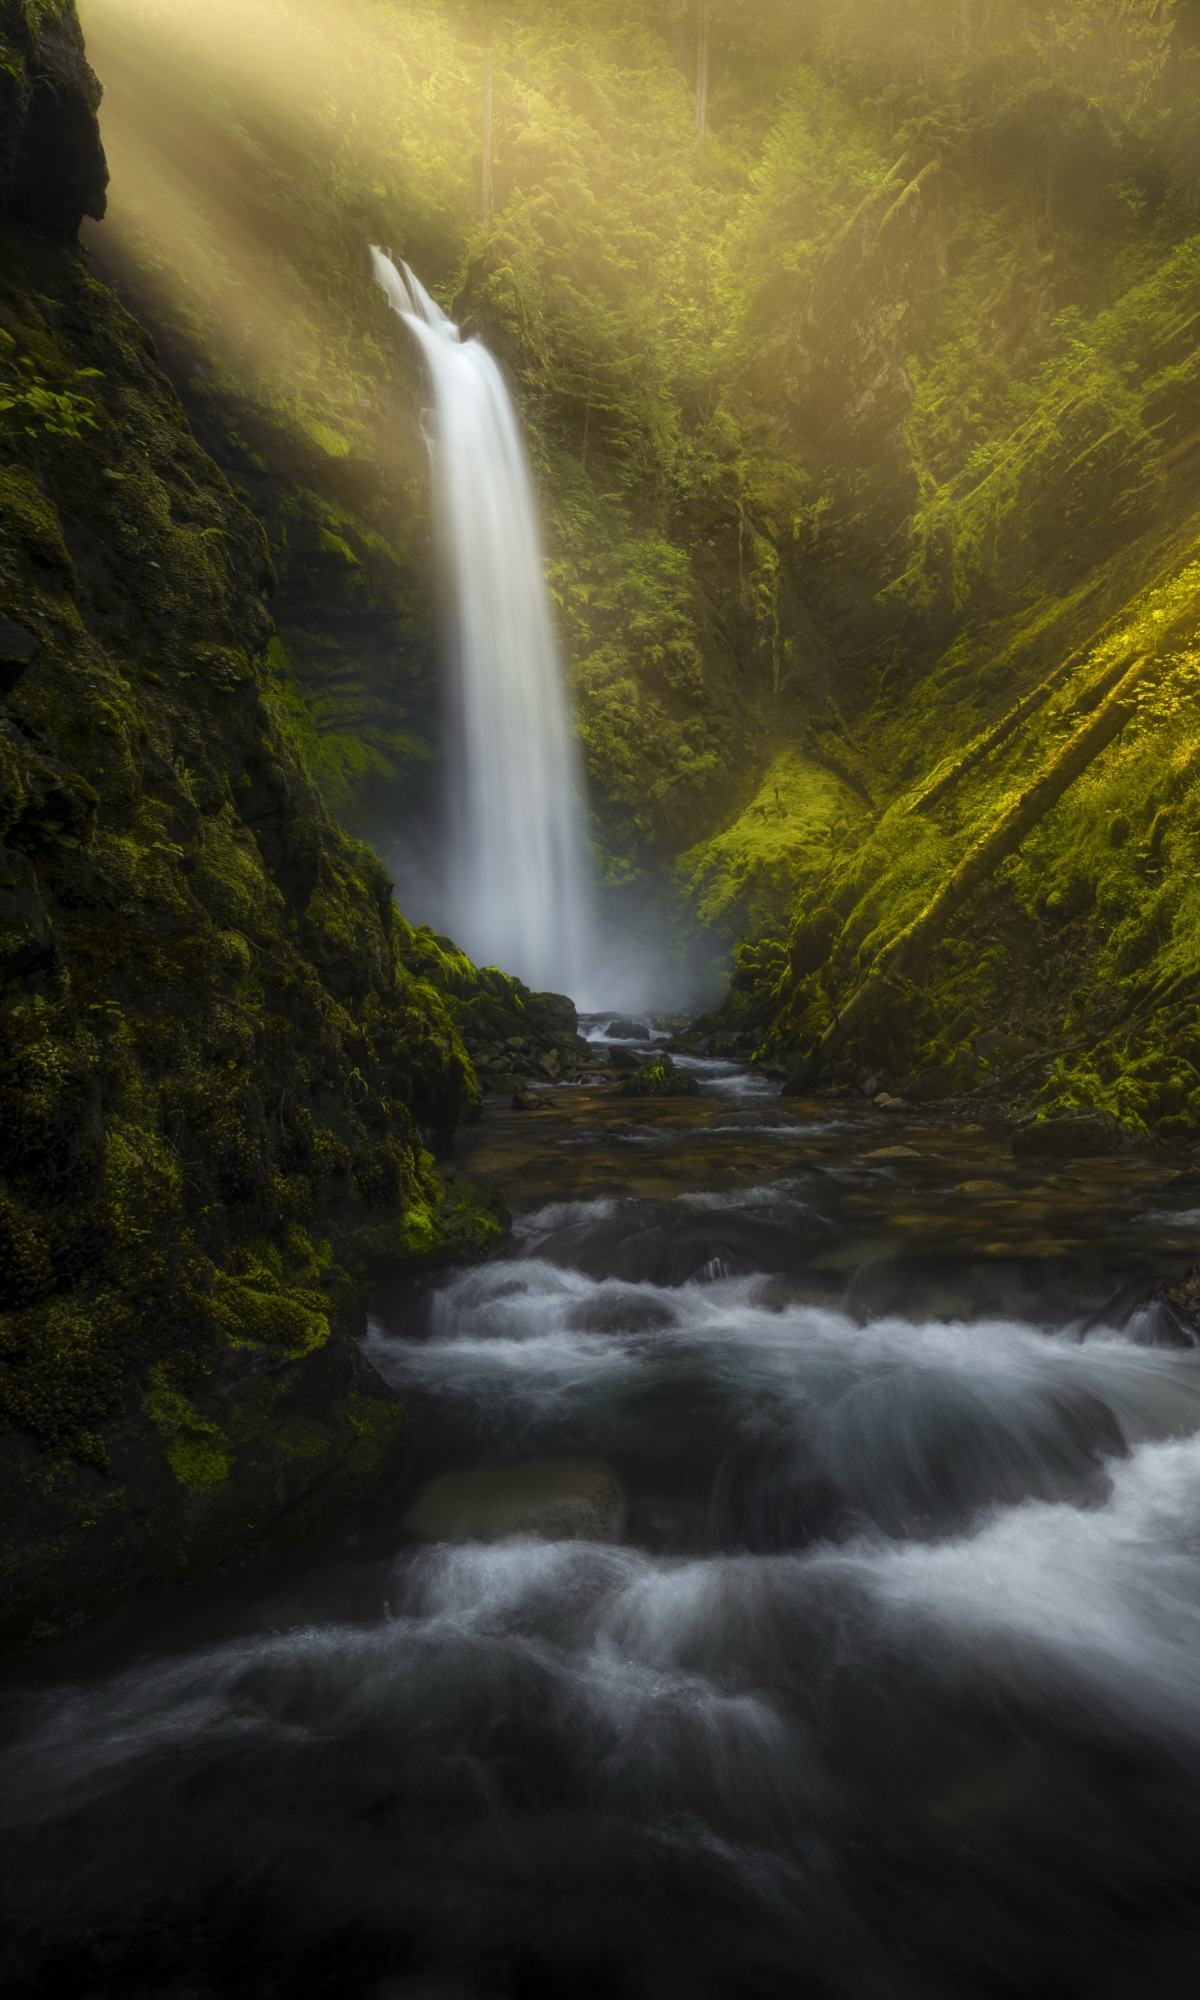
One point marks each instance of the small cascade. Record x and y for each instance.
(519, 882)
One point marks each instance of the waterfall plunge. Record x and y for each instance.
(519, 876)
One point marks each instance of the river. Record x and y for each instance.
(880, 1679)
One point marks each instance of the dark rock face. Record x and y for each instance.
(226, 1062)
(52, 166)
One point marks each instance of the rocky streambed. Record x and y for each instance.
(792, 1588)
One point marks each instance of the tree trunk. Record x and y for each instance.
(1051, 165)
(485, 189)
(702, 71)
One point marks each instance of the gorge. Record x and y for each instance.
(696, 1495)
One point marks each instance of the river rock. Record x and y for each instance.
(1065, 1139)
(528, 1100)
(626, 1030)
(658, 1078)
(936, 1288)
(559, 1499)
(624, 1059)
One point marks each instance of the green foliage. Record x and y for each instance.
(851, 422)
(220, 1081)
(914, 314)
(31, 409)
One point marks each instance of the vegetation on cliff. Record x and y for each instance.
(227, 1063)
(861, 404)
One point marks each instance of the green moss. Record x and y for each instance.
(744, 879)
(222, 1085)
(658, 1079)
(262, 1312)
(195, 1448)
(196, 1459)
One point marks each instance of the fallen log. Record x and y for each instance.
(908, 955)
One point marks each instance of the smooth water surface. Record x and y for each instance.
(889, 1687)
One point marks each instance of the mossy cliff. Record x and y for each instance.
(227, 1063)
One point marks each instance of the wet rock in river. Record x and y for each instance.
(1152, 1312)
(626, 1030)
(935, 1288)
(1065, 1139)
(558, 1499)
(624, 1059)
(528, 1100)
(626, 1312)
(659, 1078)
(1183, 1304)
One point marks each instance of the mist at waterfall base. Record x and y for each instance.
(519, 889)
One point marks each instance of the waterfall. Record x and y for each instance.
(519, 882)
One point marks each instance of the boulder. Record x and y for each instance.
(659, 1078)
(624, 1059)
(558, 1499)
(625, 1030)
(1080, 1138)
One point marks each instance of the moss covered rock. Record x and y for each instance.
(226, 1063)
(658, 1078)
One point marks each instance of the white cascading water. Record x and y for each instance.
(519, 888)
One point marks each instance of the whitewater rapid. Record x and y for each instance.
(886, 1686)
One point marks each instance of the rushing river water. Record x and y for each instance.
(885, 1683)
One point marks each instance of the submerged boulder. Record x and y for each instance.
(1082, 1138)
(557, 1499)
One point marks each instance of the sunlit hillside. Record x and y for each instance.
(854, 414)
